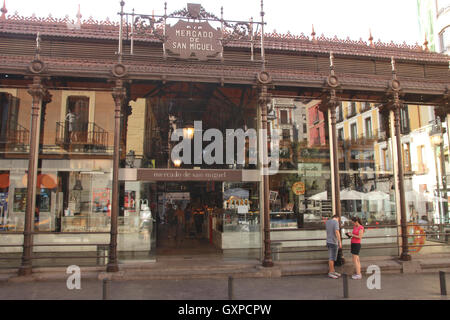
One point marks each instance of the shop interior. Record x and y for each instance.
(208, 210)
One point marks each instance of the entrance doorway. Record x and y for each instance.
(77, 119)
(185, 214)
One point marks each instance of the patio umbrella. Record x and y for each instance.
(352, 195)
(376, 196)
(319, 196)
(414, 196)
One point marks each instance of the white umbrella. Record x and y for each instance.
(376, 195)
(319, 196)
(414, 196)
(352, 195)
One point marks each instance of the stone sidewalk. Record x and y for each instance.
(206, 278)
(215, 267)
(317, 287)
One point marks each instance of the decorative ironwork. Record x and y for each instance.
(89, 135)
(157, 26)
(194, 11)
(148, 25)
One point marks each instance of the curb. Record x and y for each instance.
(237, 270)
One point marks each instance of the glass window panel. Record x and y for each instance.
(367, 187)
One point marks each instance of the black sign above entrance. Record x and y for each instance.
(197, 40)
(188, 175)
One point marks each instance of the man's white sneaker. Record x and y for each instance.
(332, 276)
(356, 277)
(337, 274)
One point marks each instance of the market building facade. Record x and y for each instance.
(93, 115)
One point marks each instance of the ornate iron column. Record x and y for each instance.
(264, 79)
(332, 105)
(119, 95)
(37, 92)
(328, 106)
(441, 112)
(395, 105)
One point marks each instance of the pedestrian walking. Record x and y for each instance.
(357, 234)
(198, 221)
(171, 220)
(179, 213)
(187, 218)
(333, 244)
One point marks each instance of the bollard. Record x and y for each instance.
(345, 281)
(230, 288)
(106, 285)
(443, 284)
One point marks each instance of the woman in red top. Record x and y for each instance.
(356, 235)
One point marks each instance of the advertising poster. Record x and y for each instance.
(20, 199)
(101, 199)
(130, 200)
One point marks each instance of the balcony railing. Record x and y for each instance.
(89, 135)
(368, 139)
(16, 138)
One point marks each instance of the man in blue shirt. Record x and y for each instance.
(333, 244)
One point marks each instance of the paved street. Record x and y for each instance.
(393, 287)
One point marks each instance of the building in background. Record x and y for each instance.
(443, 25)
(434, 24)
(427, 20)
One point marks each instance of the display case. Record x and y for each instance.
(234, 230)
(15, 222)
(129, 224)
(234, 221)
(85, 224)
(45, 222)
(283, 220)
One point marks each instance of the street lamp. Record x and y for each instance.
(177, 163)
(188, 131)
(436, 137)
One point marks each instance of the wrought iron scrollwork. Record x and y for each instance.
(148, 25)
(236, 31)
(200, 14)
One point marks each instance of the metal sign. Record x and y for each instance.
(197, 40)
(298, 188)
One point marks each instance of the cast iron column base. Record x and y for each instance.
(112, 268)
(405, 257)
(25, 271)
(267, 264)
